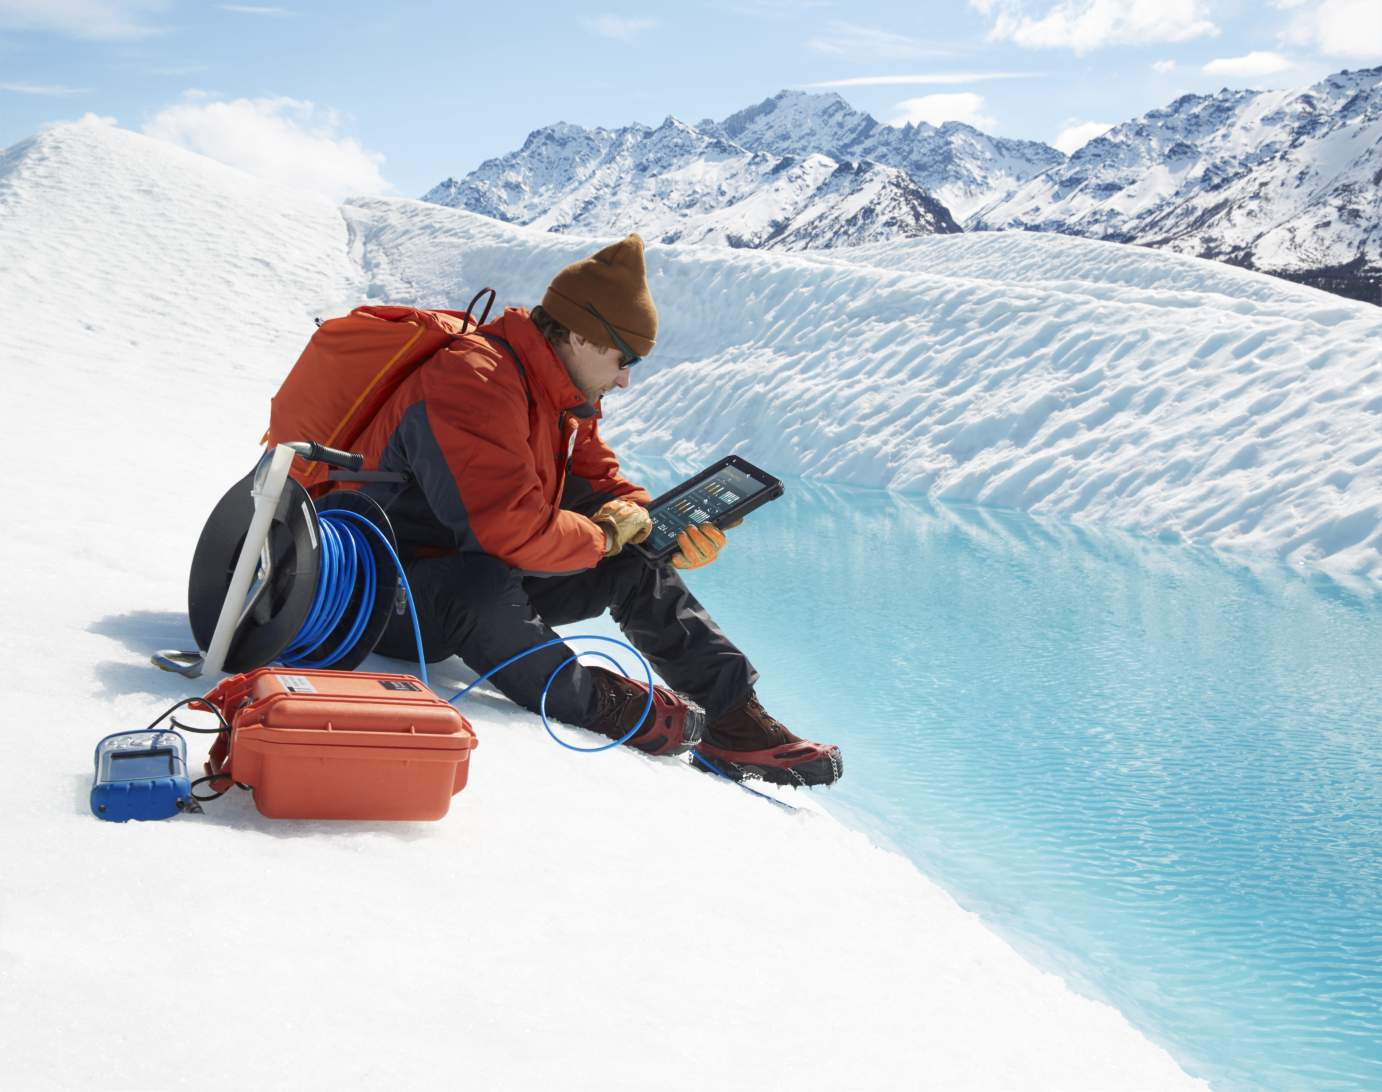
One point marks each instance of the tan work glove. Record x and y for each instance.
(624, 522)
(700, 545)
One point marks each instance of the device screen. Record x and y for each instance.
(141, 764)
(718, 493)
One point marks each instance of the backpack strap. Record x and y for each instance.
(517, 363)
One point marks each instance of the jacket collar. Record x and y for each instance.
(545, 369)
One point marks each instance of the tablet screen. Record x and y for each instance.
(702, 502)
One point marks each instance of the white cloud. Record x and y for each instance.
(43, 89)
(288, 141)
(618, 28)
(936, 109)
(1338, 28)
(925, 78)
(1250, 64)
(1076, 134)
(255, 9)
(840, 39)
(1084, 25)
(83, 18)
(1163, 67)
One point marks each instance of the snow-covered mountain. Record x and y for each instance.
(1284, 182)
(1287, 182)
(962, 167)
(678, 184)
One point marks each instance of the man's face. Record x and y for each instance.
(593, 368)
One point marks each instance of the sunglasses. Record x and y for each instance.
(630, 357)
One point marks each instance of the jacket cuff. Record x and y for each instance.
(610, 531)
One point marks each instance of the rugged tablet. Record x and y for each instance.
(720, 494)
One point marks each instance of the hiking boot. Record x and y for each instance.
(750, 742)
(673, 724)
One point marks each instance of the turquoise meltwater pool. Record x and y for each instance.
(1154, 769)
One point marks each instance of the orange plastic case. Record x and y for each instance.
(340, 744)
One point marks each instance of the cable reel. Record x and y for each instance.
(314, 579)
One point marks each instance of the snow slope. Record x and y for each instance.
(1160, 393)
(576, 922)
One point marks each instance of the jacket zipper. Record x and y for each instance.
(563, 450)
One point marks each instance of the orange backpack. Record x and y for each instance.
(349, 369)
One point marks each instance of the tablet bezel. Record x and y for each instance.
(772, 489)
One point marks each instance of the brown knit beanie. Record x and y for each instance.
(613, 281)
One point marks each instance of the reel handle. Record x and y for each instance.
(319, 453)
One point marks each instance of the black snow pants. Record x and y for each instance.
(474, 606)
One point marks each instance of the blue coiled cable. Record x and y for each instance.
(346, 557)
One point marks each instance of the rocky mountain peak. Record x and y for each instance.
(791, 114)
(961, 166)
(679, 182)
(1281, 181)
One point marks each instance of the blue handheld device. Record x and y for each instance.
(141, 775)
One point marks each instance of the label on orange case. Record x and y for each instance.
(296, 684)
(397, 684)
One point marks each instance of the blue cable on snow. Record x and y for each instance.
(542, 705)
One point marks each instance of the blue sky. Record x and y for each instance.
(367, 97)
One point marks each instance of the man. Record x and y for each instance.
(516, 518)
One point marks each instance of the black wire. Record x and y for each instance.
(192, 789)
(191, 701)
(189, 728)
(225, 727)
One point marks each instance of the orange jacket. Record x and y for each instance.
(494, 451)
